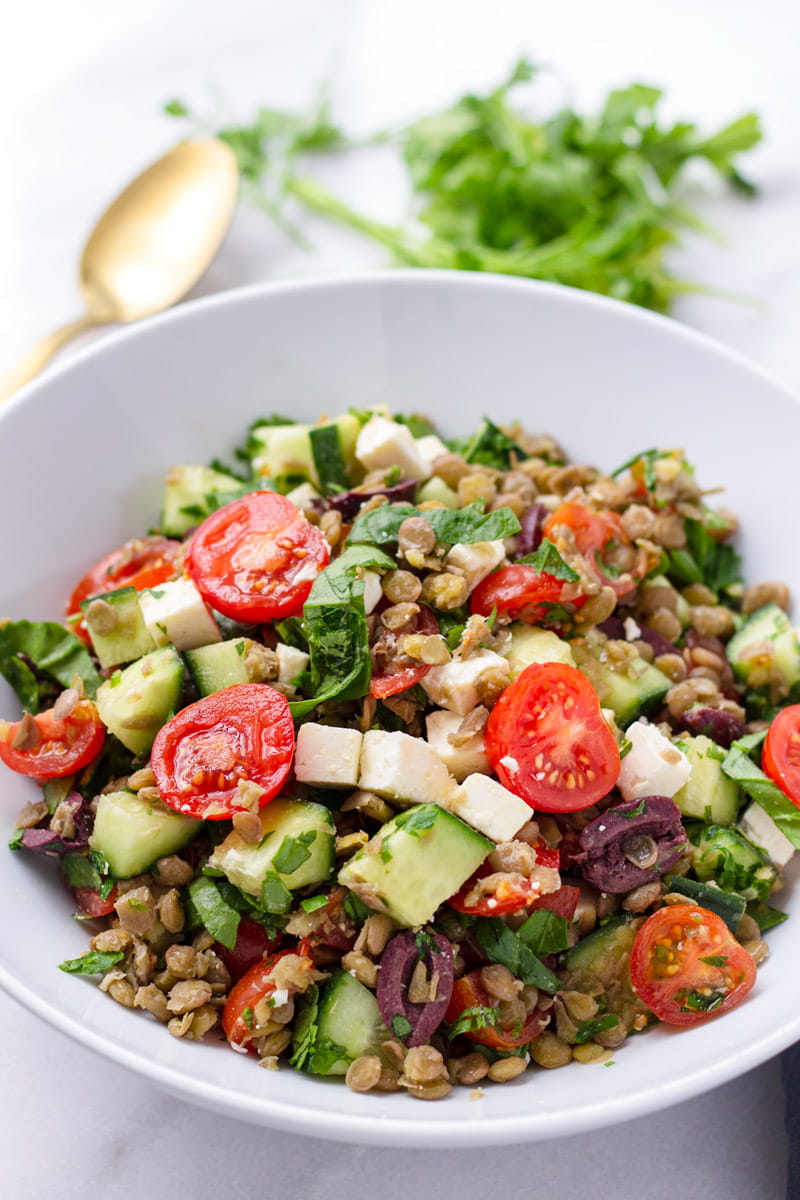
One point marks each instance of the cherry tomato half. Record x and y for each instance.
(389, 677)
(511, 894)
(781, 756)
(256, 558)
(244, 732)
(595, 534)
(141, 563)
(252, 945)
(687, 966)
(92, 903)
(53, 746)
(517, 591)
(469, 992)
(548, 742)
(242, 1013)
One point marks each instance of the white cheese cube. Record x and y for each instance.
(475, 561)
(759, 827)
(430, 448)
(653, 766)
(176, 612)
(404, 770)
(466, 759)
(383, 443)
(305, 496)
(455, 684)
(291, 662)
(372, 589)
(490, 808)
(327, 756)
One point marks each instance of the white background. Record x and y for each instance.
(81, 86)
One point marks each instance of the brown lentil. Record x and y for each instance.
(672, 665)
(364, 1073)
(698, 593)
(666, 623)
(499, 982)
(248, 826)
(188, 995)
(549, 1051)
(451, 468)
(399, 616)
(444, 590)
(136, 910)
(642, 897)
(765, 593)
(170, 911)
(591, 1052)
(173, 871)
(477, 486)
(668, 531)
(469, 1070)
(506, 1069)
(401, 587)
(416, 533)
(579, 1006)
(153, 1000)
(31, 814)
(330, 525)
(638, 521)
(712, 620)
(423, 1065)
(361, 968)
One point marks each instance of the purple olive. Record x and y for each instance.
(349, 503)
(530, 534)
(46, 841)
(614, 628)
(722, 727)
(398, 962)
(631, 844)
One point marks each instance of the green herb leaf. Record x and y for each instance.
(451, 525)
(96, 963)
(471, 1019)
(293, 852)
(765, 916)
(502, 946)
(418, 820)
(401, 1026)
(306, 1029)
(213, 911)
(548, 561)
(356, 908)
(737, 765)
(52, 655)
(275, 896)
(587, 1029)
(312, 903)
(715, 960)
(694, 1001)
(15, 841)
(492, 448)
(545, 932)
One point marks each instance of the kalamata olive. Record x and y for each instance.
(722, 727)
(46, 841)
(348, 503)
(611, 844)
(530, 534)
(398, 962)
(614, 627)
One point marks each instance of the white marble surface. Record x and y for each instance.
(80, 90)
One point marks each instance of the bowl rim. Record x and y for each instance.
(389, 1130)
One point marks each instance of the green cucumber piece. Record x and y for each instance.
(292, 832)
(135, 703)
(191, 493)
(436, 489)
(765, 652)
(708, 794)
(283, 452)
(224, 664)
(414, 863)
(333, 451)
(727, 905)
(631, 689)
(724, 854)
(116, 627)
(132, 832)
(349, 1025)
(532, 645)
(600, 965)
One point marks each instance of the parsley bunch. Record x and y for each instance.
(584, 200)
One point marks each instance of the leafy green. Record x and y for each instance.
(724, 853)
(492, 448)
(213, 910)
(738, 766)
(334, 626)
(401, 1026)
(726, 905)
(504, 947)
(588, 1029)
(451, 525)
(765, 916)
(469, 1020)
(418, 820)
(704, 560)
(312, 903)
(545, 932)
(355, 907)
(36, 654)
(89, 871)
(306, 1029)
(293, 852)
(95, 963)
(548, 561)
(275, 896)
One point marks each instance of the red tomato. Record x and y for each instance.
(687, 966)
(256, 558)
(511, 894)
(240, 1017)
(141, 563)
(252, 945)
(64, 745)
(563, 902)
(519, 592)
(389, 677)
(781, 756)
(595, 533)
(547, 740)
(469, 992)
(243, 732)
(92, 903)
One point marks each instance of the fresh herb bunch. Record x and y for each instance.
(588, 201)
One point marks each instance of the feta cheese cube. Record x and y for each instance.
(372, 589)
(327, 756)
(455, 684)
(490, 808)
(462, 760)
(475, 561)
(383, 443)
(404, 770)
(430, 448)
(305, 496)
(291, 662)
(176, 612)
(759, 827)
(653, 766)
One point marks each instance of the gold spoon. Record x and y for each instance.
(150, 247)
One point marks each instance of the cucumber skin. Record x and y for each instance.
(727, 905)
(150, 699)
(708, 793)
(133, 834)
(348, 1021)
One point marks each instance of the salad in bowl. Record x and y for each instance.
(420, 763)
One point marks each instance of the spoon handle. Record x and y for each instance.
(40, 354)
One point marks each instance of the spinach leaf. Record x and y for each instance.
(209, 908)
(587, 1029)
(451, 525)
(33, 654)
(545, 932)
(95, 963)
(703, 560)
(504, 947)
(738, 766)
(492, 448)
(335, 628)
(471, 1019)
(548, 561)
(765, 916)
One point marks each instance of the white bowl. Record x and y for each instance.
(82, 458)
